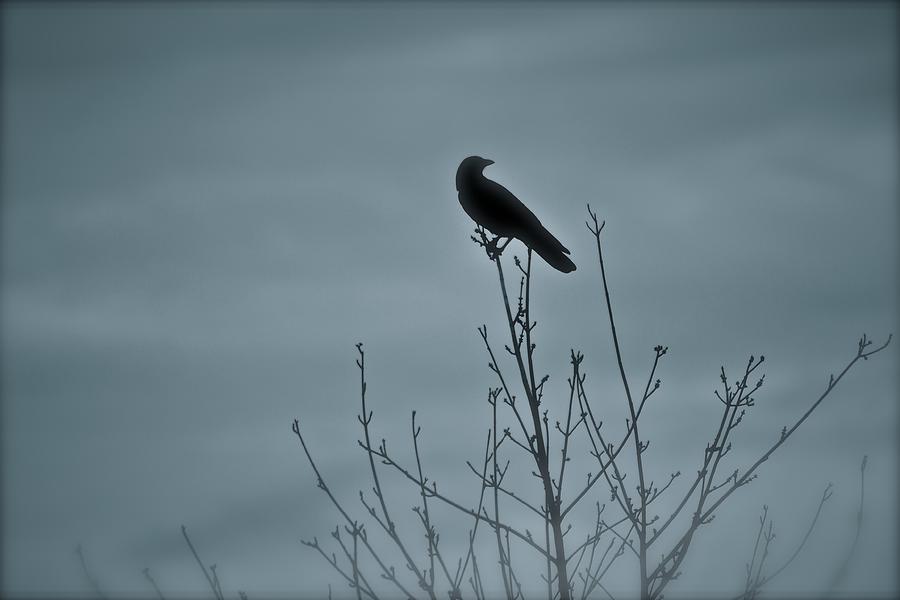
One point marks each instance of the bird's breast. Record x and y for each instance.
(486, 213)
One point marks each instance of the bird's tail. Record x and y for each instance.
(551, 250)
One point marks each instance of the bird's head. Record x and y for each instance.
(475, 163)
(470, 166)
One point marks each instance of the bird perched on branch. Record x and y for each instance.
(495, 208)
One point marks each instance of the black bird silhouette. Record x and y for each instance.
(495, 208)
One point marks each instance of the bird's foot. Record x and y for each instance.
(492, 249)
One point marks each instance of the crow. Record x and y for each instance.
(495, 208)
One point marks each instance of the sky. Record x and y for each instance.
(206, 205)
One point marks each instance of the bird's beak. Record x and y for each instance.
(488, 161)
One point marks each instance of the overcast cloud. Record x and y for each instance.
(205, 206)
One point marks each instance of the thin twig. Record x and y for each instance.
(841, 573)
(95, 586)
(430, 533)
(638, 446)
(212, 584)
(152, 581)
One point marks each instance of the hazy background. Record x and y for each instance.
(205, 206)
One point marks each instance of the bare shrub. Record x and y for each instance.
(575, 562)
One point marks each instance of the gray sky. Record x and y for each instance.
(206, 206)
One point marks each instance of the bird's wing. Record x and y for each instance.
(518, 214)
(522, 219)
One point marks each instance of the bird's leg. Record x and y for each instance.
(505, 244)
